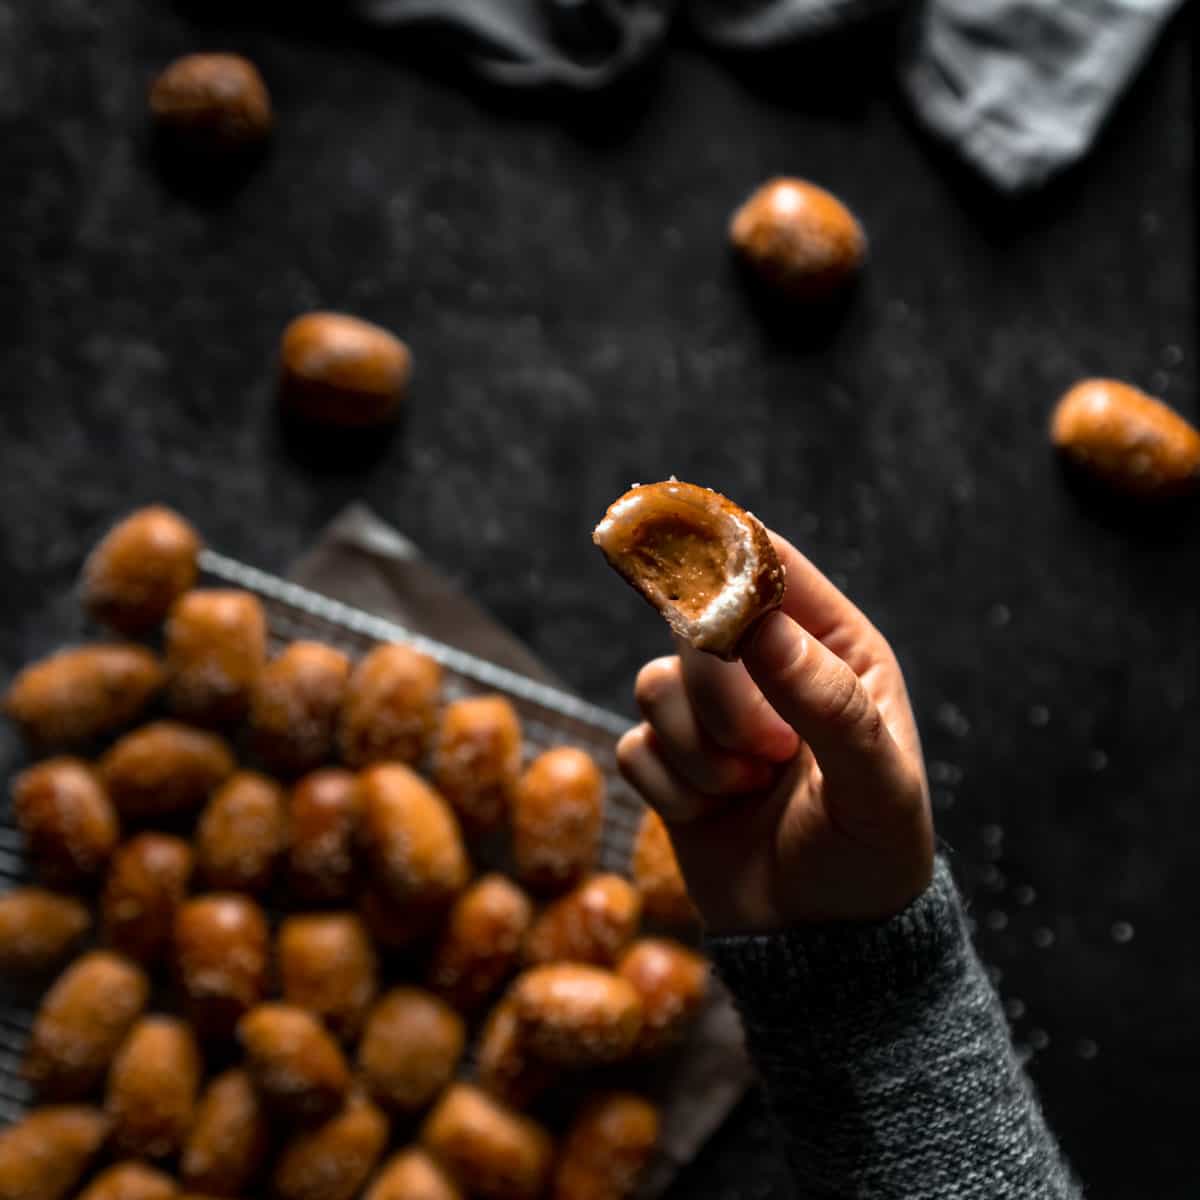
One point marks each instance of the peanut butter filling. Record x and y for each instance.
(707, 565)
(675, 552)
(681, 560)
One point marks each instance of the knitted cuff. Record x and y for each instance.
(843, 965)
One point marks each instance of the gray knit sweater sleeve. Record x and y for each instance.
(887, 1061)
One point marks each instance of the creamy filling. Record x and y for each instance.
(700, 566)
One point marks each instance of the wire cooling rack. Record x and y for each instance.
(549, 717)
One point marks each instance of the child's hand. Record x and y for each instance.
(792, 782)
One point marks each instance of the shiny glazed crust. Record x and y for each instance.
(756, 589)
(1133, 442)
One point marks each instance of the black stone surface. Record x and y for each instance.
(562, 277)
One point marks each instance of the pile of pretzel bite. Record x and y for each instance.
(273, 968)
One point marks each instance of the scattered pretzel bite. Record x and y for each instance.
(294, 1062)
(333, 1160)
(38, 930)
(410, 1047)
(147, 882)
(77, 695)
(241, 834)
(216, 643)
(340, 371)
(592, 923)
(296, 705)
(487, 1148)
(1129, 440)
(657, 877)
(504, 1065)
(799, 239)
(152, 1088)
(67, 820)
(477, 760)
(130, 1181)
(412, 1175)
(707, 565)
(212, 104)
(322, 829)
(480, 943)
(44, 1155)
(228, 1143)
(410, 839)
(138, 570)
(558, 812)
(672, 982)
(164, 769)
(577, 1016)
(606, 1149)
(327, 965)
(82, 1020)
(389, 713)
(222, 951)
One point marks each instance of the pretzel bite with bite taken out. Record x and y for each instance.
(707, 565)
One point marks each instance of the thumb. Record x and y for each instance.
(824, 701)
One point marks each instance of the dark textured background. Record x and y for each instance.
(562, 277)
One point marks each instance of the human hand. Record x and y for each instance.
(792, 781)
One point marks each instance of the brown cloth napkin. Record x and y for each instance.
(362, 561)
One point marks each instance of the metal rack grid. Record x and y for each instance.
(549, 717)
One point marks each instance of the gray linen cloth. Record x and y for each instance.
(1020, 88)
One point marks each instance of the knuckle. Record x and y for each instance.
(843, 702)
(870, 723)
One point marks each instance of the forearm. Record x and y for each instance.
(887, 1060)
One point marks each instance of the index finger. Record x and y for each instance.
(814, 601)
